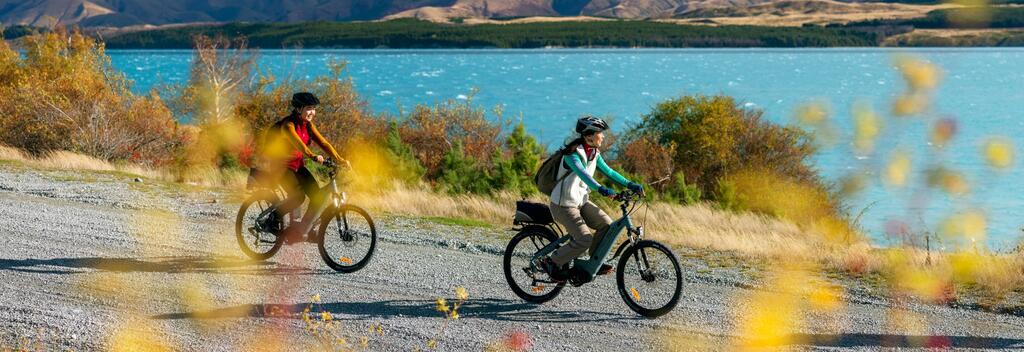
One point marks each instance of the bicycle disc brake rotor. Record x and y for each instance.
(349, 237)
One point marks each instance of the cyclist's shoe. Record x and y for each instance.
(271, 223)
(605, 269)
(554, 271)
(291, 234)
(311, 237)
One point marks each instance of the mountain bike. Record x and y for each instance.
(648, 275)
(346, 235)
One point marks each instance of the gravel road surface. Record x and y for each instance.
(91, 260)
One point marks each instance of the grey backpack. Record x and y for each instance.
(547, 176)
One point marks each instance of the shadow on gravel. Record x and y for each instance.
(886, 340)
(491, 309)
(173, 265)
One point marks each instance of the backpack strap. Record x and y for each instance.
(562, 162)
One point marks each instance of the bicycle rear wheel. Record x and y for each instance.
(348, 238)
(518, 254)
(649, 279)
(257, 237)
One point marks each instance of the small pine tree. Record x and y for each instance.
(504, 175)
(525, 158)
(400, 155)
(461, 173)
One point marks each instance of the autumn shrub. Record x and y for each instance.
(432, 131)
(342, 115)
(61, 93)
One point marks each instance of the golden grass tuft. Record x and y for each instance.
(65, 160)
(11, 154)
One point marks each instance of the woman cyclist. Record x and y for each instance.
(288, 143)
(570, 203)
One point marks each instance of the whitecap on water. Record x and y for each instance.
(749, 105)
(385, 93)
(462, 97)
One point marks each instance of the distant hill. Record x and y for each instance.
(124, 13)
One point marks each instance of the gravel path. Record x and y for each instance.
(93, 259)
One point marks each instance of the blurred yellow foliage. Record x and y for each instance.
(897, 171)
(919, 74)
(866, 127)
(999, 152)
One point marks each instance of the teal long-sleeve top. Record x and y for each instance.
(576, 165)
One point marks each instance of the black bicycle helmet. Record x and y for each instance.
(304, 99)
(589, 125)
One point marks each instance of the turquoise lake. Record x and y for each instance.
(983, 89)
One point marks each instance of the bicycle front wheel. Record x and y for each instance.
(649, 279)
(348, 238)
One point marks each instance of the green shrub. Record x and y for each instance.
(679, 191)
(524, 159)
(460, 173)
(725, 196)
(402, 158)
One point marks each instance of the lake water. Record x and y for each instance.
(982, 88)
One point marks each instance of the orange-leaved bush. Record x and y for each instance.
(63, 94)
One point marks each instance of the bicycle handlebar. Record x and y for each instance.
(627, 195)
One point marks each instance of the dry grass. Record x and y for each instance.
(65, 160)
(497, 209)
(699, 226)
(11, 154)
(954, 37)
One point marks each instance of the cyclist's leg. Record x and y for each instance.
(311, 189)
(571, 218)
(596, 219)
(290, 182)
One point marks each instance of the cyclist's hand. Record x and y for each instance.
(636, 187)
(607, 192)
(319, 159)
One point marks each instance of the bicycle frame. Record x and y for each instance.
(337, 198)
(592, 265)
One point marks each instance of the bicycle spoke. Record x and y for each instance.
(535, 240)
